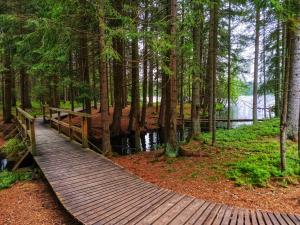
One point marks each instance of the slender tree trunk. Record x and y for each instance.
(71, 89)
(294, 84)
(145, 69)
(150, 89)
(157, 87)
(13, 89)
(256, 60)
(283, 119)
(7, 78)
(278, 72)
(229, 69)
(214, 62)
(135, 82)
(171, 94)
(118, 46)
(106, 146)
(196, 128)
(163, 102)
(24, 89)
(211, 69)
(264, 67)
(94, 76)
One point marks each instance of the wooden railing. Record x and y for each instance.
(54, 116)
(26, 125)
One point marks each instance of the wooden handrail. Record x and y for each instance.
(26, 123)
(83, 130)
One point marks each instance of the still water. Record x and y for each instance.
(151, 140)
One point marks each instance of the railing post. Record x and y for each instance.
(58, 124)
(70, 125)
(32, 136)
(84, 132)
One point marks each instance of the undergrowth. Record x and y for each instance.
(13, 145)
(7, 178)
(256, 157)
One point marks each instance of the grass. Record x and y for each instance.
(8, 178)
(256, 156)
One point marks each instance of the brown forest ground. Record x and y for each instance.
(32, 203)
(200, 177)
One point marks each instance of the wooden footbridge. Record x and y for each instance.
(96, 191)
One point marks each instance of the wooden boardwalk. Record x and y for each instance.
(96, 191)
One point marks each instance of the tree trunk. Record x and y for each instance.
(145, 68)
(7, 77)
(150, 86)
(171, 94)
(283, 119)
(229, 69)
(214, 62)
(106, 146)
(196, 128)
(163, 102)
(24, 89)
(135, 83)
(294, 85)
(278, 72)
(256, 60)
(94, 76)
(118, 46)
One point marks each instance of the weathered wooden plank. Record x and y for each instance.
(96, 214)
(266, 218)
(220, 215)
(212, 215)
(119, 213)
(174, 211)
(199, 212)
(260, 218)
(227, 216)
(155, 214)
(234, 217)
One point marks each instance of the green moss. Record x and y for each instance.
(255, 158)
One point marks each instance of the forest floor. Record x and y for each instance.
(242, 170)
(32, 203)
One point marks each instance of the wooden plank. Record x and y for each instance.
(240, 220)
(247, 217)
(293, 218)
(134, 218)
(95, 214)
(266, 218)
(118, 213)
(174, 211)
(212, 215)
(198, 213)
(126, 217)
(227, 216)
(220, 215)
(280, 219)
(155, 214)
(234, 217)
(257, 218)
